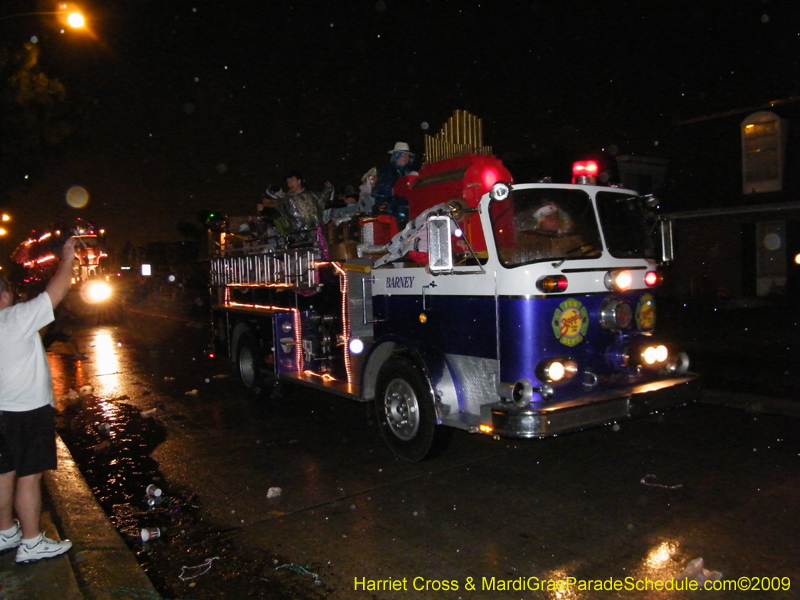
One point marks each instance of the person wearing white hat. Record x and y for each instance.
(399, 165)
(546, 231)
(401, 147)
(551, 220)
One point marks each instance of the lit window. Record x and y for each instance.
(763, 145)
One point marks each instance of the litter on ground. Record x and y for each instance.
(303, 570)
(650, 480)
(188, 573)
(696, 571)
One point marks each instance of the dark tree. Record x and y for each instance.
(33, 117)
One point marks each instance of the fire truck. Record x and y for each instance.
(517, 310)
(91, 292)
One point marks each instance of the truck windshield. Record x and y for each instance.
(624, 225)
(544, 224)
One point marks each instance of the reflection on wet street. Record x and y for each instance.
(297, 497)
(109, 418)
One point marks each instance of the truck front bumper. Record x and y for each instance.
(509, 420)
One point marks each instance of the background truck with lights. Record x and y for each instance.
(91, 293)
(529, 310)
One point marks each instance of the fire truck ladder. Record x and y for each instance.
(295, 268)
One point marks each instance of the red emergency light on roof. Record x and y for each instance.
(584, 171)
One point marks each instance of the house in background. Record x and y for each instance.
(737, 232)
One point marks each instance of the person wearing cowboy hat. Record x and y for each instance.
(399, 165)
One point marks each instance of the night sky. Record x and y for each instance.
(185, 106)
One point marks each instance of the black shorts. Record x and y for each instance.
(28, 441)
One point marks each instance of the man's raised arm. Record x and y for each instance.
(59, 284)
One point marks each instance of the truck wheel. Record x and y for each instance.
(250, 360)
(405, 412)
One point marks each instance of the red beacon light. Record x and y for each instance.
(489, 177)
(584, 171)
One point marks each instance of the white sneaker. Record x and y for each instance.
(42, 547)
(8, 542)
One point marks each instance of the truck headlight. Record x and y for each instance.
(95, 292)
(655, 354)
(556, 369)
(618, 280)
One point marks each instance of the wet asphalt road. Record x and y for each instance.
(617, 504)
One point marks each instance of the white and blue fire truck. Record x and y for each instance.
(514, 310)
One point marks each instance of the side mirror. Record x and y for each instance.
(667, 250)
(650, 201)
(440, 250)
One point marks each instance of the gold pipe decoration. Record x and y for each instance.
(461, 134)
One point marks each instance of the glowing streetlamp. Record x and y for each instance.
(68, 14)
(75, 20)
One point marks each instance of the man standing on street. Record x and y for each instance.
(27, 420)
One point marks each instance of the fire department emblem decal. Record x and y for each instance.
(646, 312)
(570, 322)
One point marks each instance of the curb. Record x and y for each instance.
(104, 567)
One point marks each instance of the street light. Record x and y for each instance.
(68, 14)
(72, 19)
(75, 20)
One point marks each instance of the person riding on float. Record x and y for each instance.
(399, 165)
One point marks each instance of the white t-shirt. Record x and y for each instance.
(25, 380)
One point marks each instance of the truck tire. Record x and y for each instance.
(405, 411)
(250, 359)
